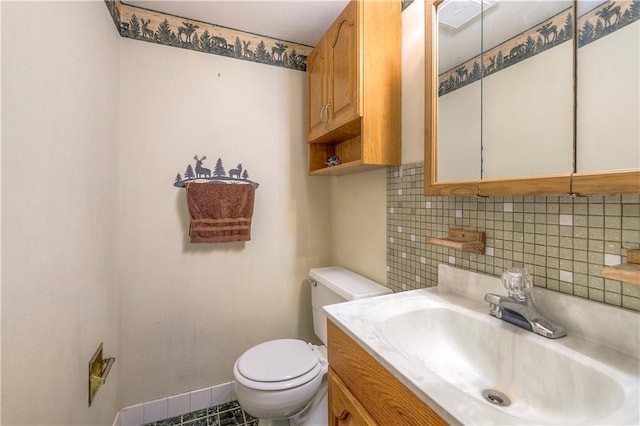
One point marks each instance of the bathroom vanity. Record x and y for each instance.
(435, 356)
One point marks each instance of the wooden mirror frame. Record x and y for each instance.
(614, 182)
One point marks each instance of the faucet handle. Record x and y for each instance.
(494, 304)
(518, 282)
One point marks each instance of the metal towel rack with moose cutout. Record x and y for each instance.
(201, 174)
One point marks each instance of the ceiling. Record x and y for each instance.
(299, 21)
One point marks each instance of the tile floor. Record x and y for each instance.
(227, 414)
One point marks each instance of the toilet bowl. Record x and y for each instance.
(279, 378)
(285, 379)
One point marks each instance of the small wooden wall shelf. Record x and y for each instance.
(628, 272)
(460, 239)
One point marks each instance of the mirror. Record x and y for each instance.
(505, 89)
(459, 47)
(527, 89)
(533, 139)
(608, 83)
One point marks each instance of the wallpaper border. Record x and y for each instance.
(160, 28)
(593, 25)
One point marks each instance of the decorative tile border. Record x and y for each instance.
(599, 22)
(562, 241)
(147, 25)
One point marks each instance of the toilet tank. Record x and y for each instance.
(334, 285)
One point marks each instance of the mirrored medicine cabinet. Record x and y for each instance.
(532, 97)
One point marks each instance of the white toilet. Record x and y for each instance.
(283, 381)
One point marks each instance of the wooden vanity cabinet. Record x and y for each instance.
(354, 90)
(363, 392)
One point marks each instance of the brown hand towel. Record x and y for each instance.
(220, 212)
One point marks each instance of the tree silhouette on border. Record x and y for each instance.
(189, 174)
(219, 171)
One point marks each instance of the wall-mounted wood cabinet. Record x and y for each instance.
(354, 90)
(363, 392)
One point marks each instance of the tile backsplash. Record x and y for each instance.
(562, 241)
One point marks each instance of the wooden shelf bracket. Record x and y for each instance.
(628, 272)
(460, 239)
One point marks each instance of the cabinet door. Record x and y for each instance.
(316, 90)
(344, 408)
(343, 50)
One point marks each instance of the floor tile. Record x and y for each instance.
(227, 414)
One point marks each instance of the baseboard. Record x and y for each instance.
(175, 405)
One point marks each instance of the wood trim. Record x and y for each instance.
(451, 188)
(538, 185)
(344, 168)
(349, 130)
(382, 395)
(381, 79)
(609, 182)
(431, 97)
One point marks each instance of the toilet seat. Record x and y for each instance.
(277, 365)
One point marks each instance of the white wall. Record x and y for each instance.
(187, 311)
(358, 215)
(413, 76)
(358, 223)
(60, 65)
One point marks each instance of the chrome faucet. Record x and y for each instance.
(518, 308)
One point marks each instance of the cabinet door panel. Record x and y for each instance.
(343, 68)
(344, 408)
(316, 90)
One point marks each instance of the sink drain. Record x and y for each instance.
(496, 398)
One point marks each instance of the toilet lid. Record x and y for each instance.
(277, 360)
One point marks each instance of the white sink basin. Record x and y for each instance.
(545, 383)
(448, 350)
